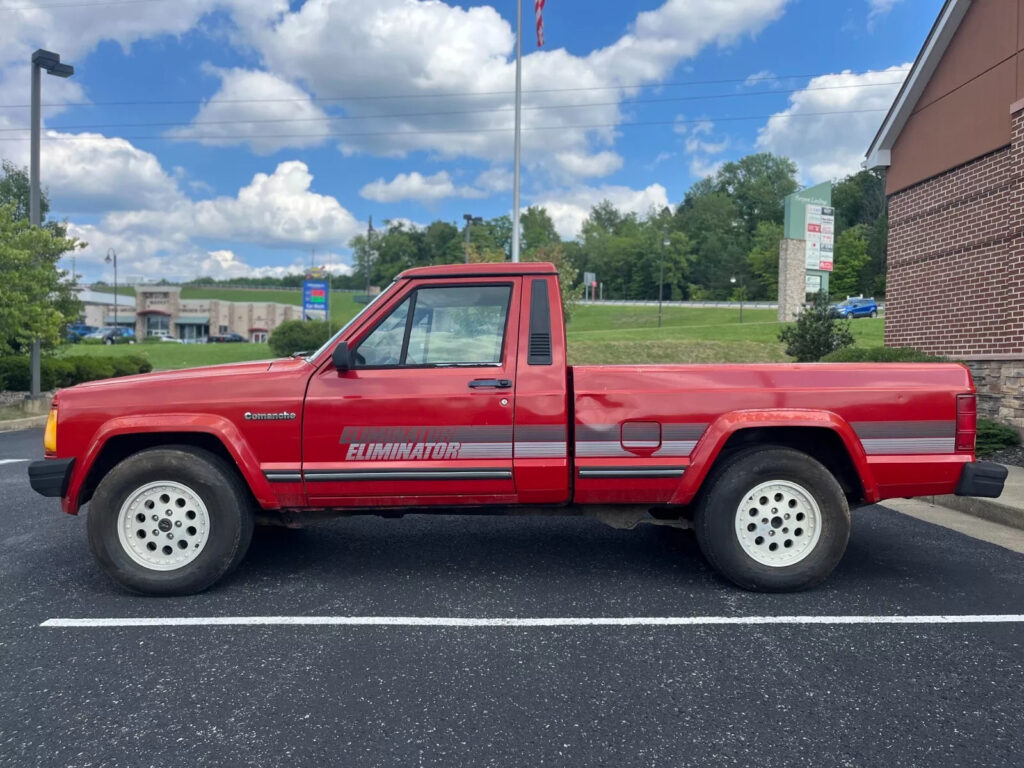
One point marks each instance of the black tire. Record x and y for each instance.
(715, 519)
(874, 313)
(220, 489)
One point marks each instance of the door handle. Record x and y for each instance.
(490, 384)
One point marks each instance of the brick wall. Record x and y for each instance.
(956, 258)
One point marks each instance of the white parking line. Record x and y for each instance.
(441, 621)
(12, 461)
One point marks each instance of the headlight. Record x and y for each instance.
(50, 435)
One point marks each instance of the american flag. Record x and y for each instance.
(538, 7)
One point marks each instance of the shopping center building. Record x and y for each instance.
(159, 310)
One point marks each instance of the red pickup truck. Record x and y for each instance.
(451, 392)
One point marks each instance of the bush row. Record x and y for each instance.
(57, 372)
(880, 355)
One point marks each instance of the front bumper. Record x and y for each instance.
(50, 477)
(982, 478)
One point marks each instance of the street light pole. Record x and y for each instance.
(112, 257)
(51, 63)
(742, 292)
(661, 278)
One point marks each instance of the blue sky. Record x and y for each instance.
(232, 137)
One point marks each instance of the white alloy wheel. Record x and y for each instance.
(778, 523)
(163, 526)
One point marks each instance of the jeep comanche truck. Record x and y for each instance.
(450, 392)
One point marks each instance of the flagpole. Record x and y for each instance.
(519, 109)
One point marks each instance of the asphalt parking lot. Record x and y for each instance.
(737, 694)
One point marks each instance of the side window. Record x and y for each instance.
(458, 325)
(384, 344)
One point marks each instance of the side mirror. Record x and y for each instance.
(341, 357)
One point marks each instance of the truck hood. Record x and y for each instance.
(186, 375)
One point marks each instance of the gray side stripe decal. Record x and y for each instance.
(333, 475)
(867, 430)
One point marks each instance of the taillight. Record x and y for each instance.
(966, 422)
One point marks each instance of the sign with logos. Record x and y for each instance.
(819, 237)
(315, 299)
(813, 283)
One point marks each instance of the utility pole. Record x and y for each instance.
(112, 258)
(661, 277)
(469, 221)
(51, 63)
(369, 255)
(518, 129)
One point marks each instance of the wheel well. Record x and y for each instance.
(120, 447)
(820, 443)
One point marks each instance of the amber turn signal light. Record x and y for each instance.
(50, 435)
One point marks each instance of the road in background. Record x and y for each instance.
(450, 696)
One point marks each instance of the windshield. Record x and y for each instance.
(345, 327)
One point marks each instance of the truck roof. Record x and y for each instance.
(495, 269)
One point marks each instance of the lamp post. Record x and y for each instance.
(112, 258)
(470, 220)
(661, 277)
(733, 281)
(51, 63)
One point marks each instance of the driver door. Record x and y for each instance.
(425, 416)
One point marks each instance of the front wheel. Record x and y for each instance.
(170, 521)
(773, 520)
(874, 313)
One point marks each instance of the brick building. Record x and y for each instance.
(953, 149)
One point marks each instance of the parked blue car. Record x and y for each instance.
(856, 308)
(77, 331)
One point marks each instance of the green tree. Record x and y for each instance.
(763, 261)
(35, 299)
(851, 262)
(538, 230)
(816, 332)
(757, 185)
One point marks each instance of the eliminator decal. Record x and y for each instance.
(446, 443)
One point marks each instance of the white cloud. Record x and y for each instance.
(878, 8)
(258, 109)
(495, 180)
(584, 166)
(87, 173)
(416, 186)
(569, 208)
(833, 145)
(275, 210)
(463, 58)
(761, 78)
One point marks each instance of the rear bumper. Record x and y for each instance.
(50, 477)
(982, 478)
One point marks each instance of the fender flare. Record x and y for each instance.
(203, 423)
(710, 445)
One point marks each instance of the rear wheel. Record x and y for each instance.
(170, 521)
(773, 520)
(874, 313)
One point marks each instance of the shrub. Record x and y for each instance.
(55, 373)
(880, 355)
(15, 373)
(124, 366)
(91, 342)
(92, 368)
(993, 437)
(816, 332)
(141, 362)
(294, 336)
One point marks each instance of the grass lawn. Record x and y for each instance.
(343, 307)
(596, 335)
(166, 355)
